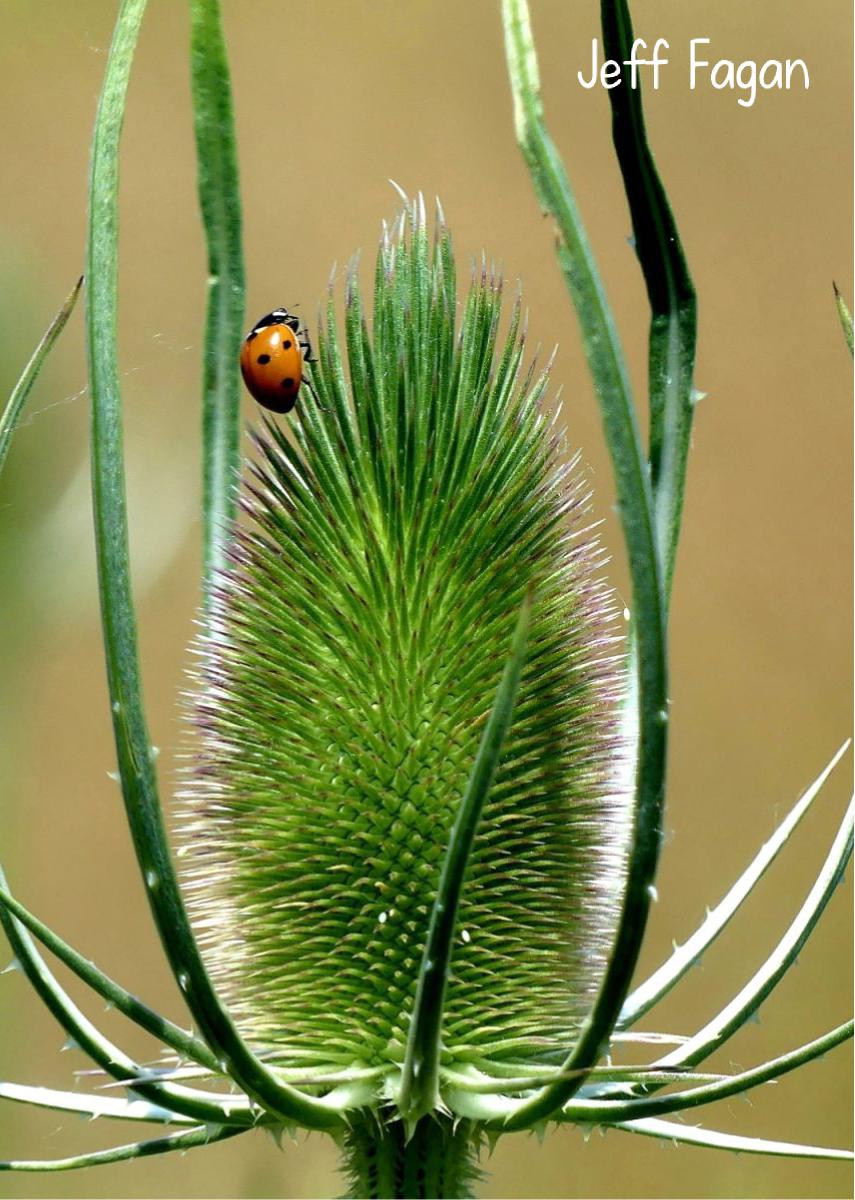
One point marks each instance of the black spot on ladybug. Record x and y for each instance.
(263, 359)
(287, 383)
(286, 345)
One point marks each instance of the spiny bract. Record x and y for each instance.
(357, 642)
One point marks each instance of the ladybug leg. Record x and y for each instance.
(308, 383)
(306, 346)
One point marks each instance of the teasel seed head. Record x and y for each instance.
(391, 530)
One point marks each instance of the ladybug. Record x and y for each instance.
(271, 360)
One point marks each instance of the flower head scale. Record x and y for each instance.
(355, 647)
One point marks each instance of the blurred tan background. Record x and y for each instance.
(334, 97)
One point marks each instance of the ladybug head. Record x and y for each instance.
(279, 316)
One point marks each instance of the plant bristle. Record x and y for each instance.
(354, 652)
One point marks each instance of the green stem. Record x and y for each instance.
(439, 1160)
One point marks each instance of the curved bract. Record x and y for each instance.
(354, 652)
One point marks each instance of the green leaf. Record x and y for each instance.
(714, 1140)
(649, 993)
(219, 198)
(612, 1111)
(734, 1015)
(199, 1105)
(133, 747)
(635, 506)
(673, 303)
(178, 1039)
(91, 1106)
(845, 317)
(203, 1136)
(15, 404)
(477, 1083)
(420, 1080)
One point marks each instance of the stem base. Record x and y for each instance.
(438, 1161)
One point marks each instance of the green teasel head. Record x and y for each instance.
(393, 527)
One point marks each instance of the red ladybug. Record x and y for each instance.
(271, 360)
